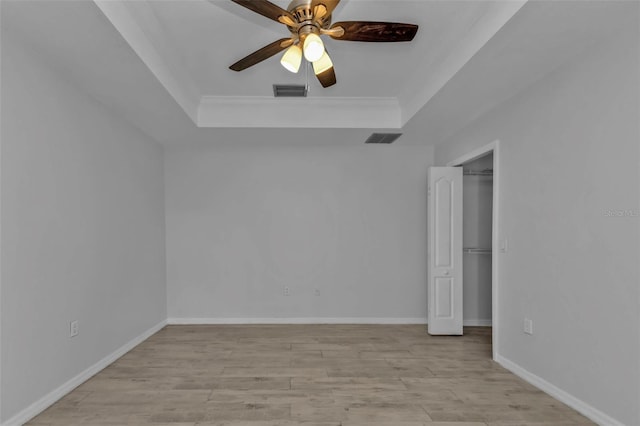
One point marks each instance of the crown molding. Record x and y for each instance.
(258, 111)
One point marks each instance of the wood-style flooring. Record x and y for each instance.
(310, 375)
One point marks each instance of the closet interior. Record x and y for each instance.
(477, 240)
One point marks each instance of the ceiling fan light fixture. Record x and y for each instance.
(292, 58)
(322, 64)
(307, 21)
(313, 47)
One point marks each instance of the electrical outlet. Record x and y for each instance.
(528, 326)
(74, 328)
(317, 292)
(286, 291)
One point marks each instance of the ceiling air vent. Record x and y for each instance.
(289, 90)
(383, 137)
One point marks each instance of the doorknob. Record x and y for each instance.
(445, 273)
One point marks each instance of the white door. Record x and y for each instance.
(444, 288)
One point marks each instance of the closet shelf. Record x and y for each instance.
(486, 172)
(474, 250)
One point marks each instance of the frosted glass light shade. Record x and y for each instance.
(313, 47)
(322, 64)
(292, 58)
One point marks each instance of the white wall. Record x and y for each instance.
(82, 230)
(569, 154)
(242, 223)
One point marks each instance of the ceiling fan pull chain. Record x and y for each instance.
(306, 74)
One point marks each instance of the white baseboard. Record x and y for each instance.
(320, 320)
(477, 323)
(316, 320)
(577, 404)
(53, 396)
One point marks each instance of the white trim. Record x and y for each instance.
(495, 231)
(306, 320)
(577, 404)
(474, 155)
(477, 323)
(1, 275)
(53, 396)
(264, 111)
(316, 320)
(495, 247)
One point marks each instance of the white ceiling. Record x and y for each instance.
(189, 45)
(163, 65)
(210, 36)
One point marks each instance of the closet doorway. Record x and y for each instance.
(482, 240)
(472, 218)
(476, 240)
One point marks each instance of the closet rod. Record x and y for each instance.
(474, 250)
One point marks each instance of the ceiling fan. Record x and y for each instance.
(307, 20)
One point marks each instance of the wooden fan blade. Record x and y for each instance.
(262, 54)
(329, 5)
(375, 31)
(327, 78)
(265, 8)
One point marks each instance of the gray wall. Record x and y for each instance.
(569, 154)
(82, 230)
(242, 223)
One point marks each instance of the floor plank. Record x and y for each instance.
(308, 375)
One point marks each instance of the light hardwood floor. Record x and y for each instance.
(311, 375)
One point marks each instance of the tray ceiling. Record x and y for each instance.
(131, 59)
(189, 45)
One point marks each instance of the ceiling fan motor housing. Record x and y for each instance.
(309, 21)
(305, 30)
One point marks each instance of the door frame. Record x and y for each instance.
(496, 247)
